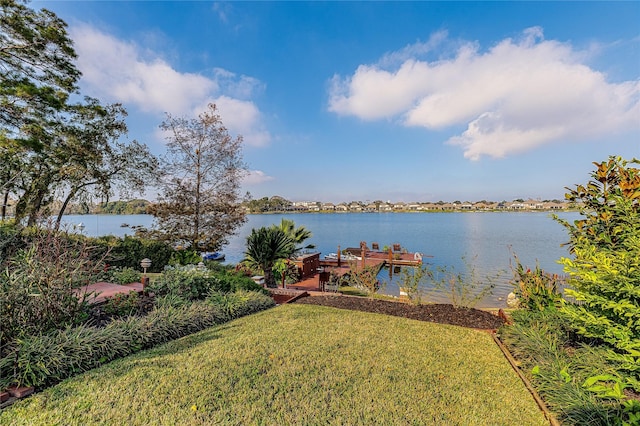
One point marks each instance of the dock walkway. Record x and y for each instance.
(101, 291)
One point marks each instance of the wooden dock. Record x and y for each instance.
(365, 259)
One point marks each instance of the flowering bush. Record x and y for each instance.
(536, 290)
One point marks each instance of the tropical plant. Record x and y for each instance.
(265, 246)
(605, 268)
(297, 234)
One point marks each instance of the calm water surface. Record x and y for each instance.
(484, 242)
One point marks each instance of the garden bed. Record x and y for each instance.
(439, 313)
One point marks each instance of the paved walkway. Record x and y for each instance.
(99, 292)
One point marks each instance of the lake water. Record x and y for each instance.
(484, 241)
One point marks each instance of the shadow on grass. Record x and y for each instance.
(156, 356)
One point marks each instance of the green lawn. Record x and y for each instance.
(298, 364)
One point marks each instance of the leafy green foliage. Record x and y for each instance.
(298, 235)
(185, 257)
(127, 252)
(265, 246)
(124, 275)
(231, 280)
(199, 201)
(577, 379)
(188, 282)
(122, 305)
(44, 359)
(36, 286)
(605, 269)
(536, 290)
(240, 303)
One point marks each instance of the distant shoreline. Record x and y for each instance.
(361, 212)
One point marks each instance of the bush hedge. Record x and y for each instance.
(195, 283)
(45, 359)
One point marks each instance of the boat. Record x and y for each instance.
(216, 255)
(343, 256)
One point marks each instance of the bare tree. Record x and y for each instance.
(199, 204)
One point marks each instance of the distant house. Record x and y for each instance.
(554, 206)
(342, 207)
(386, 207)
(399, 206)
(329, 207)
(371, 208)
(355, 207)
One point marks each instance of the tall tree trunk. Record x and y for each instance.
(269, 279)
(36, 206)
(66, 202)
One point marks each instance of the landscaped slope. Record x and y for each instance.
(299, 364)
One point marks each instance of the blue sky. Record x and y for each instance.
(400, 101)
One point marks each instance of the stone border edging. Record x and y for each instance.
(545, 410)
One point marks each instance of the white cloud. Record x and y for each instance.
(516, 96)
(120, 71)
(255, 177)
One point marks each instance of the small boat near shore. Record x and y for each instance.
(216, 255)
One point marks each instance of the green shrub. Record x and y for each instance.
(36, 285)
(189, 282)
(127, 252)
(605, 268)
(122, 305)
(170, 300)
(185, 257)
(45, 359)
(231, 281)
(240, 303)
(124, 275)
(536, 290)
(365, 279)
(559, 365)
(42, 360)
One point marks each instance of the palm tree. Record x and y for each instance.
(265, 246)
(297, 235)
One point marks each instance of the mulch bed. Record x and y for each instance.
(440, 313)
